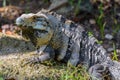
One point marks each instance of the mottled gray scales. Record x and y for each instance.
(56, 37)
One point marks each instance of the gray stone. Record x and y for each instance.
(108, 36)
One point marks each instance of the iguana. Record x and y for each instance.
(56, 37)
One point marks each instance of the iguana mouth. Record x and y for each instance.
(39, 33)
(24, 27)
(42, 31)
(30, 27)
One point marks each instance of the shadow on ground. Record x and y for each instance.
(14, 52)
(11, 44)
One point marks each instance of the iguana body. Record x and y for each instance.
(56, 37)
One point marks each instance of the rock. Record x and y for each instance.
(64, 6)
(118, 39)
(10, 12)
(14, 44)
(92, 21)
(108, 36)
(60, 6)
(117, 1)
(56, 4)
(110, 49)
(9, 28)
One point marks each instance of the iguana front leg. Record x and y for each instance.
(74, 54)
(63, 48)
(45, 53)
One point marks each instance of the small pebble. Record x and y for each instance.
(108, 36)
(110, 49)
(92, 21)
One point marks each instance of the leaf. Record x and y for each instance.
(1, 78)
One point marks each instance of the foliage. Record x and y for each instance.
(46, 1)
(76, 5)
(80, 5)
(99, 42)
(4, 3)
(115, 53)
(100, 22)
(90, 33)
(116, 27)
(71, 2)
(1, 78)
(75, 73)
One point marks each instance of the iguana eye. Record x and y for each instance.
(34, 18)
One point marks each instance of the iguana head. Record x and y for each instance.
(38, 25)
(34, 21)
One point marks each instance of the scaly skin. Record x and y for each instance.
(56, 37)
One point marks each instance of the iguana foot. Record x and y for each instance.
(96, 71)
